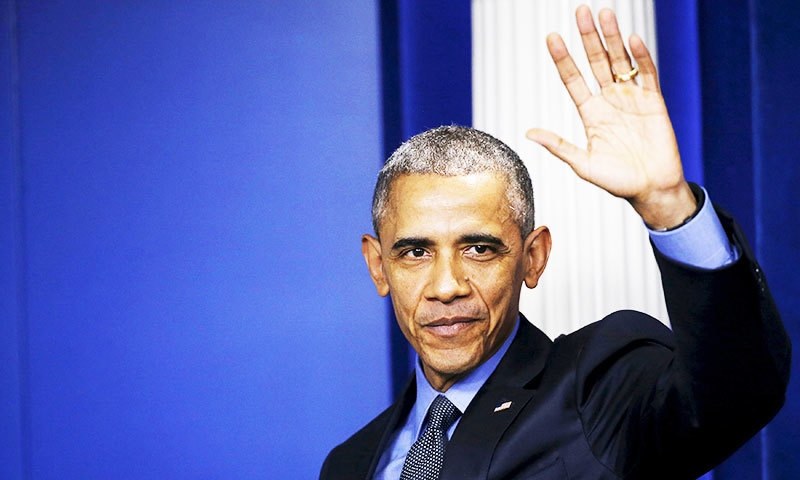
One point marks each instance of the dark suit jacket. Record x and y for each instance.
(620, 398)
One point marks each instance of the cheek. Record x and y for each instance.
(405, 290)
(492, 281)
(405, 283)
(496, 287)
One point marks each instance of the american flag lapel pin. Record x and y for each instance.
(502, 406)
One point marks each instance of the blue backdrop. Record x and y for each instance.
(183, 189)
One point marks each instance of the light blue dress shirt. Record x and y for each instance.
(701, 242)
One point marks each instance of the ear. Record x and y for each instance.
(371, 249)
(537, 249)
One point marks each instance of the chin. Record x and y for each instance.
(451, 362)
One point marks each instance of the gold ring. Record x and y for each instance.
(626, 76)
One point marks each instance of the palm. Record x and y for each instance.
(631, 150)
(630, 143)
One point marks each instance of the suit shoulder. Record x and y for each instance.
(622, 334)
(617, 329)
(356, 453)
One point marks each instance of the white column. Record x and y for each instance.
(601, 260)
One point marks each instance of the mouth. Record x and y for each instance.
(449, 327)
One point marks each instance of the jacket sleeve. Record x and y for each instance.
(660, 405)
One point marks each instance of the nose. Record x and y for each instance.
(447, 281)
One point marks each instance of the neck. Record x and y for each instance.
(439, 381)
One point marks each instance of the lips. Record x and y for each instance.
(449, 321)
(449, 327)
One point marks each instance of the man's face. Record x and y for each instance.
(452, 257)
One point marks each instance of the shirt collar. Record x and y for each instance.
(463, 391)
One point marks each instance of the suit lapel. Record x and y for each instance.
(398, 414)
(496, 405)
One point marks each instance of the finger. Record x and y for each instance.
(569, 153)
(617, 54)
(595, 51)
(647, 68)
(570, 75)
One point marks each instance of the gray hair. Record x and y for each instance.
(454, 151)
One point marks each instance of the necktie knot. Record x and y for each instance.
(442, 413)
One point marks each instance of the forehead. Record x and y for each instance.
(429, 202)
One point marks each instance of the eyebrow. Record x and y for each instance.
(482, 238)
(415, 242)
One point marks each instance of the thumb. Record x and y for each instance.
(566, 151)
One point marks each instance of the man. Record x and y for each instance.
(493, 397)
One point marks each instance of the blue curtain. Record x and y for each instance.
(727, 70)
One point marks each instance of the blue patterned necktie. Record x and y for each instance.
(425, 458)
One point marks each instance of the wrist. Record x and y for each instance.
(669, 209)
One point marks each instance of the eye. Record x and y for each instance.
(480, 250)
(414, 253)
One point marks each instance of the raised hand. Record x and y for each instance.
(631, 151)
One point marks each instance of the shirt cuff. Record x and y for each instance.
(701, 242)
